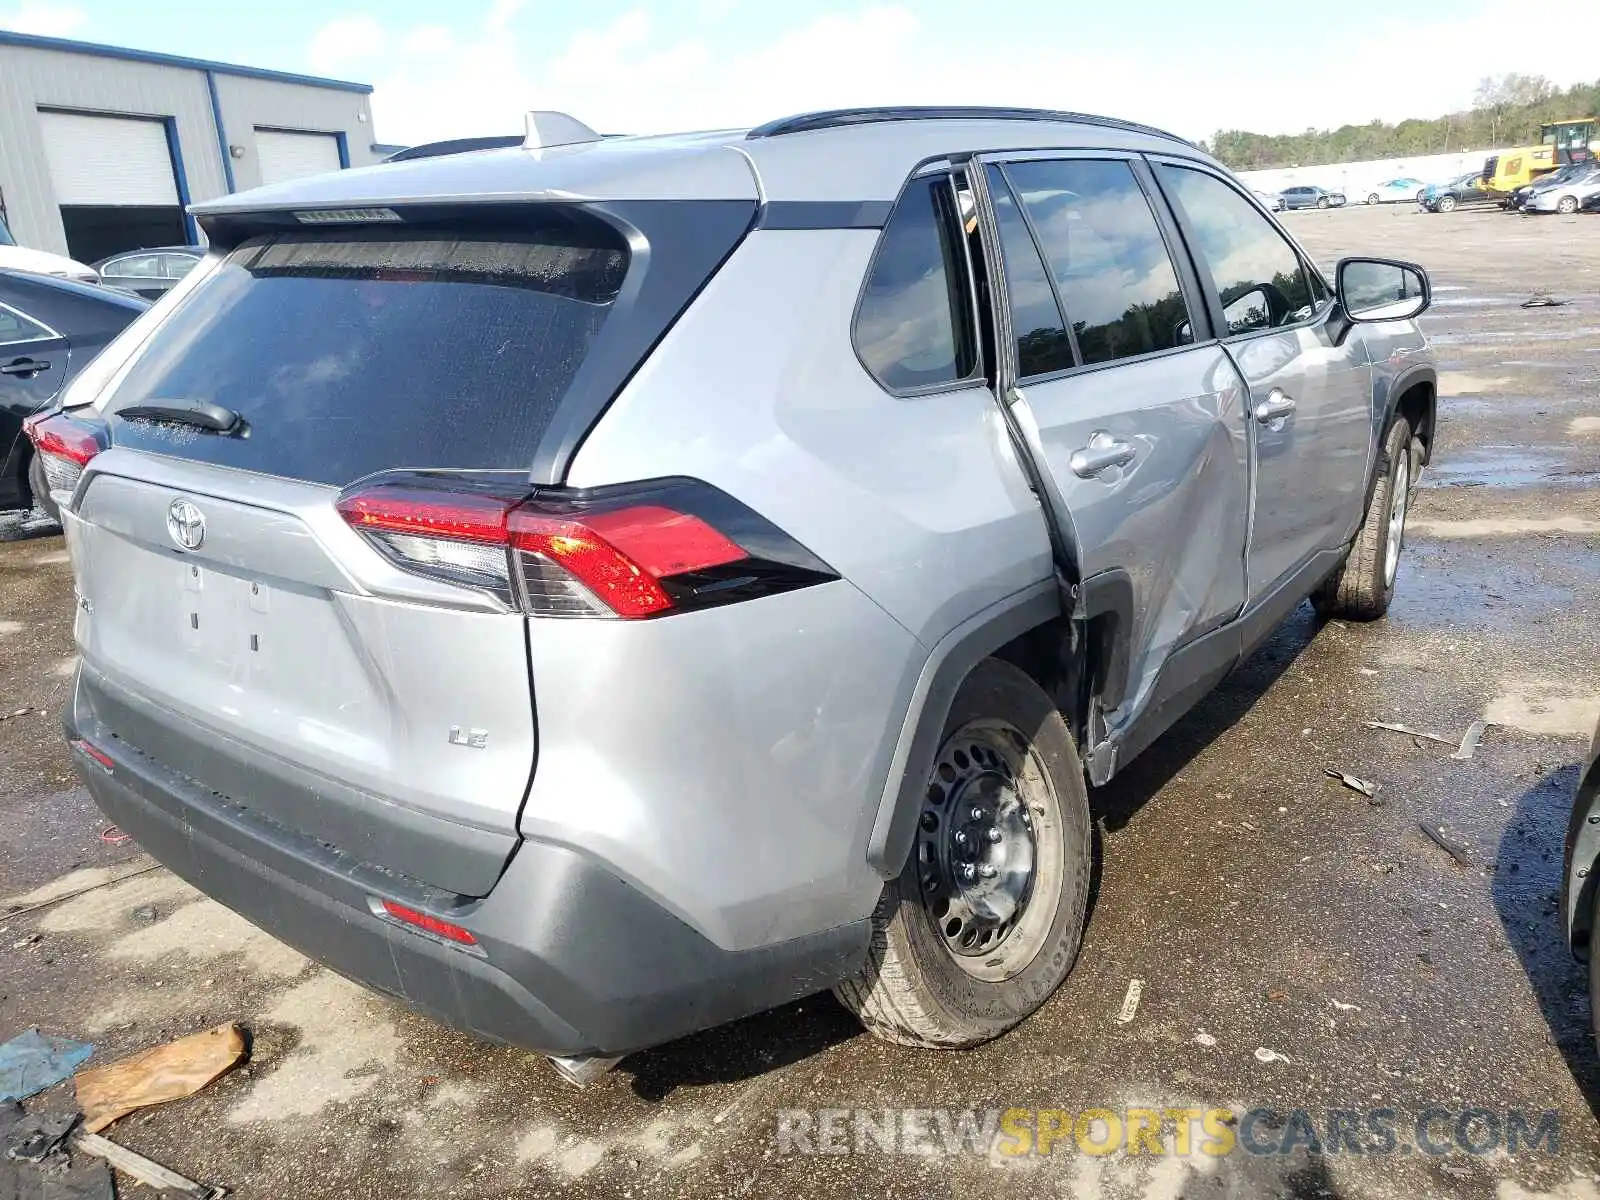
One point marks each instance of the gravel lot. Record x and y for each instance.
(1261, 904)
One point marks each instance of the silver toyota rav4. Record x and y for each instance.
(598, 588)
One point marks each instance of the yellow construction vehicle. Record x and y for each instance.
(1560, 143)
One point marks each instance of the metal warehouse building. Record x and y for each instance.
(102, 149)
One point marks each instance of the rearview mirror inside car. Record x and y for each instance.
(1381, 289)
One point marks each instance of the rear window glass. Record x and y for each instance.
(365, 350)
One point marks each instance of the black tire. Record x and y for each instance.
(1594, 967)
(1421, 194)
(920, 985)
(40, 487)
(1323, 202)
(1363, 586)
(1373, 198)
(1447, 204)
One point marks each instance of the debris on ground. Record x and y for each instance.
(157, 1075)
(146, 1171)
(112, 836)
(1130, 1002)
(1343, 1007)
(1406, 729)
(1265, 1054)
(36, 1137)
(1365, 786)
(1446, 843)
(21, 712)
(32, 1061)
(32, 939)
(1277, 995)
(1470, 740)
(1542, 301)
(1205, 1039)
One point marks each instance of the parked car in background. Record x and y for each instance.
(49, 330)
(621, 520)
(1306, 196)
(1580, 194)
(1575, 173)
(41, 262)
(149, 273)
(1447, 197)
(1571, 173)
(1272, 201)
(1393, 190)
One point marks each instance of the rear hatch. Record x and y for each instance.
(237, 630)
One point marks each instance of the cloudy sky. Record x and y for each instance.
(473, 66)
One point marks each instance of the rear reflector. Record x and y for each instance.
(94, 752)
(429, 923)
(638, 551)
(64, 447)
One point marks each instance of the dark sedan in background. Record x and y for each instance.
(49, 330)
(149, 273)
(1311, 197)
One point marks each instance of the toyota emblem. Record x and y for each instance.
(186, 524)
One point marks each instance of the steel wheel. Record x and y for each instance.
(1401, 500)
(985, 850)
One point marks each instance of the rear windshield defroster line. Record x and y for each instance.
(356, 350)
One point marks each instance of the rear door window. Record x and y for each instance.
(1105, 250)
(15, 328)
(1042, 342)
(359, 350)
(914, 325)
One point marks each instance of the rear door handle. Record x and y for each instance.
(25, 366)
(1101, 454)
(1275, 407)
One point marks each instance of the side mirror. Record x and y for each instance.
(1382, 289)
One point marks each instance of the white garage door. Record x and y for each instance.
(286, 156)
(107, 160)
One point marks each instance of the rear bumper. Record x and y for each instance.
(573, 960)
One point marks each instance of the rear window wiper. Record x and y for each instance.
(200, 413)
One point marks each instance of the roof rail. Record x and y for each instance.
(454, 146)
(838, 118)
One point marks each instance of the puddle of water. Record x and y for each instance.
(1504, 466)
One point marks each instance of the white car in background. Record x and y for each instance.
(1566, 198)
(41, 262)
(1273, 201)
(1390, 191)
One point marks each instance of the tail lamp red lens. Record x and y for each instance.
(429, 923)
(636, 552)
(92, 751)
(64, 446)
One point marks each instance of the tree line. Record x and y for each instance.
(1507, 110)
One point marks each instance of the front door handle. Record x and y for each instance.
(1101, 454)
(1275, 407)
(25, 367)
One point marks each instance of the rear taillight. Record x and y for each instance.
(641, 550)
(64, 446)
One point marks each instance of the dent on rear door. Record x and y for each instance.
(1174, 518)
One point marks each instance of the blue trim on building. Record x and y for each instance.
(344, 149)
(181, 178)
(68, 46)
(222, 133)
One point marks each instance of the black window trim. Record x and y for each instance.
(1320, 313)
(1195, 298)
(939, 167)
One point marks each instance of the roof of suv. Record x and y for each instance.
(845, 155)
